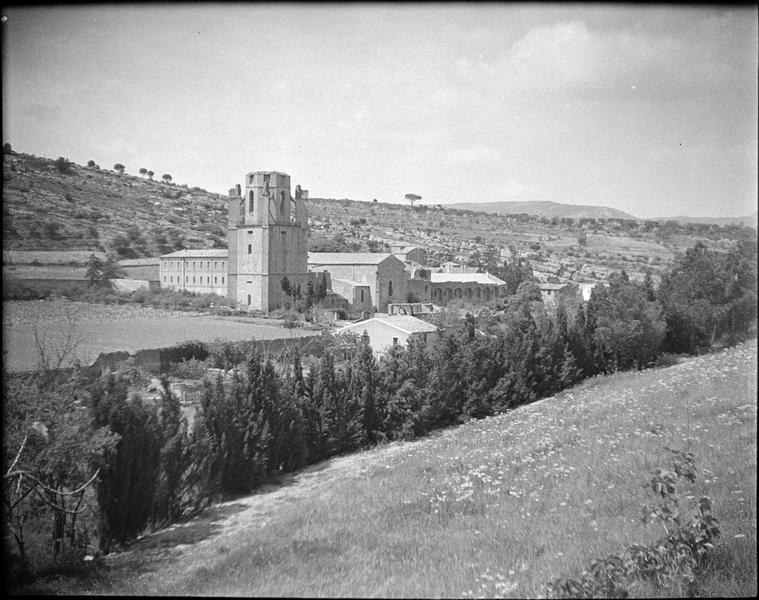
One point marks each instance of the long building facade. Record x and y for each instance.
(197, 271)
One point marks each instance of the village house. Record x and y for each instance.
(385, 331)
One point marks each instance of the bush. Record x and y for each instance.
(671, 564)
(63, 165)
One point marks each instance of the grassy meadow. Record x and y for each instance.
(492, 508)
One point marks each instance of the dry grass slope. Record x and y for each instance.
(493, 508)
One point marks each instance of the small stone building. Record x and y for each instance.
(385, 331)
(410, 254)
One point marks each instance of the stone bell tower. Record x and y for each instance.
(268, 240)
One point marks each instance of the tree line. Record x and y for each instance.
(264, 419)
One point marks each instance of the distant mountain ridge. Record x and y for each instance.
(544, 209)
(750, 220)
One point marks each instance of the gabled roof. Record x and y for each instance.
(404, 323)
(202, 253)
(481, 278)
(349, 258)
(407, 323)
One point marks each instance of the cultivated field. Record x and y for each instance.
(100, 328)
(493, 508)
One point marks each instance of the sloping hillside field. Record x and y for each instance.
(496, 507)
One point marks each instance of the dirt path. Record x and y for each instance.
(161, 563)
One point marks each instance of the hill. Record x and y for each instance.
(496, 507)
(545, 209)
(72, 210)
(748, 220)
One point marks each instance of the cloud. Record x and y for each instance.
(471, 154)
(570, 57)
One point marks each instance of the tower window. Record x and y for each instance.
(222, 280)
(248, 299)
(251, 204)
(193, 279)
(215, 279)
(362, 296)
(389, 288)
(250, 248)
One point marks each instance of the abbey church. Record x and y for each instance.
(268, 241)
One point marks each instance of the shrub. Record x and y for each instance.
(63, 165)
(670, 564)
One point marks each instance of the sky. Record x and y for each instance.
(648, 109)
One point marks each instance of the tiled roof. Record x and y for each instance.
(203, 253)
(405, 323)
(481, 278)
(348, 258)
